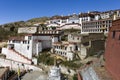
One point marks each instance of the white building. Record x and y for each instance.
(70, 26)
(79, 45)
(80, 49)
(64, 49)
(73, 19)
(70, 22)
(117, 13)
(106, 15)
(57, 21)
(69, 48)
(53, 25)
(110, 14)
(85, 17)
(96, 26)
(30, 45)
(64, 22)
(27, 30)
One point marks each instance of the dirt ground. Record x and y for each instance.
(2, 44)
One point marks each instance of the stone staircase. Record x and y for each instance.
(16, 56)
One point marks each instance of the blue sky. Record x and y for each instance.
(16, 10)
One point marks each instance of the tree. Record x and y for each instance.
(75, 77)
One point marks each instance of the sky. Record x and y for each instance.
(22, 10)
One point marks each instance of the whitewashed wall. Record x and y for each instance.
(14, 65)
(68, 53)
(71, 47)
(83, 52)
(72, 26)
(70, 56)
(22, 48)
(38, 48)
(54, 39)
(72, 38)
(41, 37)
(10, 54)
(46, 44)
(73, 21)
(53, 25)
(27, 30)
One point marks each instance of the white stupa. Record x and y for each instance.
(55, 73)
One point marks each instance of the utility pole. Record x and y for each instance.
(18, 72)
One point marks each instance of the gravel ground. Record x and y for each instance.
(35, 75)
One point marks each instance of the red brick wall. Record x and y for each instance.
(112, 52)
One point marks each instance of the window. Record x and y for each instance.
(24, 42)
(27, 47)
(113, 35)
(76, 47)
(119, 37)
(73, 22)
(65, 48)
(61, 53)
(65, 53)
(28, 42)
(29, 37)
(106, 29)
(70, 48)
(73, 38)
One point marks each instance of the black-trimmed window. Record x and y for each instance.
(29, 37)
(113, 35)
(119, 37)
(27, 47)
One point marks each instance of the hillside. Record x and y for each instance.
(10, 29)
(41, 20)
